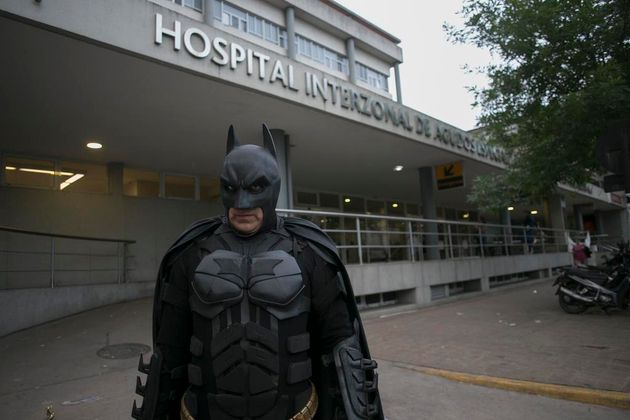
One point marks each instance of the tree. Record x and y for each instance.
(563, 77)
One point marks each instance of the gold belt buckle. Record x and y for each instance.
(309, 410)
(306, 413)
(184, 414)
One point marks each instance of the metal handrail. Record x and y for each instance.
(442, 238)
(120, 254)
(412, 219)
(57, 235)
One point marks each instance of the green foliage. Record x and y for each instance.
(564, 75)
(492, 194)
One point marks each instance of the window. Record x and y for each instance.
(303, 46)
(316, 52)
(389, 297)
(395, 208)
(271, 32)
(50, 174)
(353, 204)
(306, 198)
(372, 77)
(23, 172)
(329, 200)
(242, 20)
(450, 214)
(193, 4)
(179, 186)
(375, 207)
(234, 17)
(208, 188)
(146, 183)
(373, 300)
(217, 11)
(255, 25)
(283, 38)
(82, 177)
(412, 209)
(141, 183)
(362, 72)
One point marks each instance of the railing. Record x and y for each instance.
(38, 259)
(364, 238)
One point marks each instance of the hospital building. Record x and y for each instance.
(113, 133)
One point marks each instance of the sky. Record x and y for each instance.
(432, 76)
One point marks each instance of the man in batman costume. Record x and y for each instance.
(254, 316)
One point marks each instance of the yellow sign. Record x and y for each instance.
(449, 175)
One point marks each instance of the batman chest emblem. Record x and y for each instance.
(268, 278)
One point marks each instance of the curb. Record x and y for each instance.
(612, 399)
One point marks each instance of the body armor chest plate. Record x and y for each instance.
(271, 280)
(255, 305)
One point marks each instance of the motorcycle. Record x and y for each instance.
(607, 286)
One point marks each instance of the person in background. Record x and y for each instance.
(530, 230)
(581, 253)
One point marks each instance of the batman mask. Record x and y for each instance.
(251, 178)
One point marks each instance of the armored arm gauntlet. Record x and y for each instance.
(358, 382)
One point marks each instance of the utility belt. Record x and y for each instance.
(306, 413)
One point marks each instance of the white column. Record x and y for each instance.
(351, 60)
(398, 88)
(506, 219)
(289, 15)
(208, 12)
(282, 142)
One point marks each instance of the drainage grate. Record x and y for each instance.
(123, 351)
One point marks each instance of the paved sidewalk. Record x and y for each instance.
(520, 333)
(56, 363)
(411, 396)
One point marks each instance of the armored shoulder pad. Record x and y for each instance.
(197, 229)
(315, 237)
(194, 231)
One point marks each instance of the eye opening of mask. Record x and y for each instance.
(258, 186)
(227, 186)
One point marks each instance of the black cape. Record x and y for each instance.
(319, 241)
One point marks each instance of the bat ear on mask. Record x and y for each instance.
(232, 140)
(268, 141)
